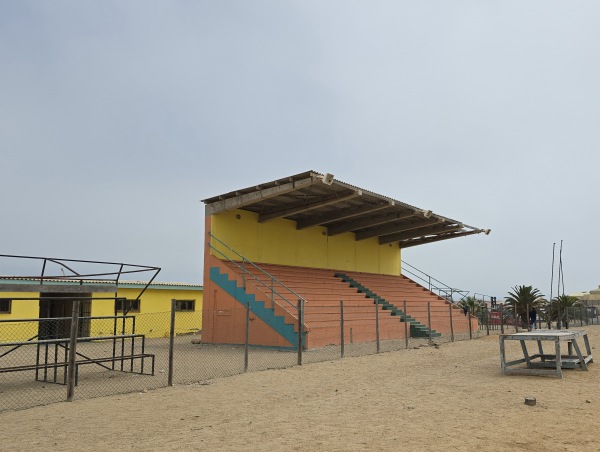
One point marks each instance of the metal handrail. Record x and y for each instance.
(273, 281)
(441, 289)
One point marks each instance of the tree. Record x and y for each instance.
(523, 298)
(562, 304)
(473, 304)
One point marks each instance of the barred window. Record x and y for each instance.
(130, 305)
(5, 305)
(185, 305)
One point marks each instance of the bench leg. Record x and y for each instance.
(524, 347)
(587, 347)
(558, 358)
(580, 356)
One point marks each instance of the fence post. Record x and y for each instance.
(247, 338)
(470, 326)
(501, 319)
(377, 322)
(429, 320)
(300, 322)
(487, 320)
(341, 329)
(171, 342)
(405, 325)
(451, 324)
(72, 351)
(272, 292)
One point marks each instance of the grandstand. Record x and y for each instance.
(291, 250)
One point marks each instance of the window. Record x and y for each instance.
(185, 305)
(130, 305)
(5, 305)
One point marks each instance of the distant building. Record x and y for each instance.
(152, 307)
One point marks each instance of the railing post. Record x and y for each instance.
(451, 324)
(341, 329)
(405, 325)
(272, 292)
(171, 342)
(300, 321)
(487, 320)
(377, 322)
(72, 352)
(247, 338)
(502, 319)
(429, 321)
(244, 273)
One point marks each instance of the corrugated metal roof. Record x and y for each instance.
(122, 284)
(315, 199)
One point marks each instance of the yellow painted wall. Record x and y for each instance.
(278, 242)
(20, 309)
(153, 320)
(154, 317)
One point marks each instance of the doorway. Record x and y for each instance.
(55, 313)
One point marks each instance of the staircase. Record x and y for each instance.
(417, 329)
(257, 307)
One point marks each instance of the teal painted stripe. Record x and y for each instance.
(267, 315)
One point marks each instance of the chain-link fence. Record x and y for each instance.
(49, 360)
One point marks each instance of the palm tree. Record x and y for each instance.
(472, 304)
(561, 304)
(523, 298)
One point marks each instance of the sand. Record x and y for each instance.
(451, 397)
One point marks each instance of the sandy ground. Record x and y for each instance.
(448, 398)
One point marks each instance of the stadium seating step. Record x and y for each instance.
(417, 329)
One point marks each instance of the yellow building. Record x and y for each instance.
(20, 311)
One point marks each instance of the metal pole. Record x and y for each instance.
(405, 326)
(171, 341)
(487, 320)
(377, 323)
(501, 319)
(451, 324)
(244, 273)
(470, 327)
(72, 351)
(299, 306)
(429, 320)
(247, 339)
(341, 329)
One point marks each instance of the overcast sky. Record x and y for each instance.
(118, 117)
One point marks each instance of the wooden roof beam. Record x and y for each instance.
(394, 228)
(341, 215)
(436, 238)
(268, 216)
(371, 221)
(443, 228)
(243, 200)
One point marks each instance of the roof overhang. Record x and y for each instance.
(315, 199)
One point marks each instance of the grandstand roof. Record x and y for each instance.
(315, 199)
